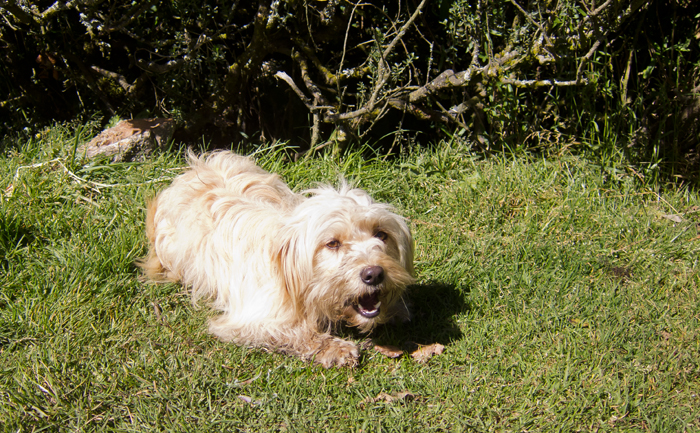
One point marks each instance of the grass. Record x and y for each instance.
(566, 296)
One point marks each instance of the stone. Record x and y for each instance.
(130, 140)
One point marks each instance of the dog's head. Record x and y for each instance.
(344, 257)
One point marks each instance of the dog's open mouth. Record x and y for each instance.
(368, 305)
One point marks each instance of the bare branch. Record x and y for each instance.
(596, 11)
(287, 79)
(18, 11)
(403, 30)
(158, 68)
(542, 83)
(382, 73)
(345, 41)
(120, 79)
(308, 82)
(136, 10)
(113, 75)
(532, 20)
(447, 79)
(585, 59)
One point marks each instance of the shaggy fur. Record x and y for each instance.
(282, 268)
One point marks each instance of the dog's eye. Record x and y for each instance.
(382, 236)
(333, 245)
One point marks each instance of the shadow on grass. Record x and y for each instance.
(434, 309)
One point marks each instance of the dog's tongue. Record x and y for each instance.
(368, 305)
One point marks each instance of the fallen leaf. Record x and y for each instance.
(245, 382)
(579, 322)
(156, 310)
(389, 351)
(673, 217)
(424, 353)
(366, 344)
(249, 400)
(665, 335)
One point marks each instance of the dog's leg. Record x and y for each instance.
(152, 267)
(327, 350)
(305, 343)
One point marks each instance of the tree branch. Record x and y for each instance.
(120, 79)
(287, 79)
(18, 11)
(447, 79)
(382, 74)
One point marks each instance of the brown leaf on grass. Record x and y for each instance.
(390, 398)
(249, 400)
(389, 351)
(424, 353)
(244, 382)
(673, 217)
(366, 344)
(665, 336)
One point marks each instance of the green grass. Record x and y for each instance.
(566, 296)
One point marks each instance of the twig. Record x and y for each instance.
(345, 41)
(119, 78)
(41, 164)
(532, 20)
(135, 11)
(542, 83)
(446, 79)
(382, 74)
(585, 59)
(85, 181)
(287, 79)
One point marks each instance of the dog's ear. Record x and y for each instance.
(293, 267)
(405, 244)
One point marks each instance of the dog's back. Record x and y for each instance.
(186, 212)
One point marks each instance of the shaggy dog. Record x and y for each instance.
(282, 268)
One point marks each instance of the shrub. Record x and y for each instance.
(516, 73)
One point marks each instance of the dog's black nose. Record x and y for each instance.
(372, 275)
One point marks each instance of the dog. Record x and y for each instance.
(282, 268)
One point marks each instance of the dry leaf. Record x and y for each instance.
(424, 353)
(579, 322)
(249, 400)
(673, 217)
(8, 191)
(245, 382)
(389, 351)
(389, 398)
(157, 311)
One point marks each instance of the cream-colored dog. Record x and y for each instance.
(282, 268)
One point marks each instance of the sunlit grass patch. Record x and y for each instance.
(566, 298)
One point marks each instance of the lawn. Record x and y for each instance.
(566, 295)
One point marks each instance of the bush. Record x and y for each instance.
(515, 73)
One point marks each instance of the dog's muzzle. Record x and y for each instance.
(368, 304)
(372, 275)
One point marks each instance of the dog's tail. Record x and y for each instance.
(152, 267)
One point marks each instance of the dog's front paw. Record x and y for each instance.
(337, 352)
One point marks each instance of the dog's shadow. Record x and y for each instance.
(434, 309)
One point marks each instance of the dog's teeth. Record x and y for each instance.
(376, 306)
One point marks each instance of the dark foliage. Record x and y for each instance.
(521, 74)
